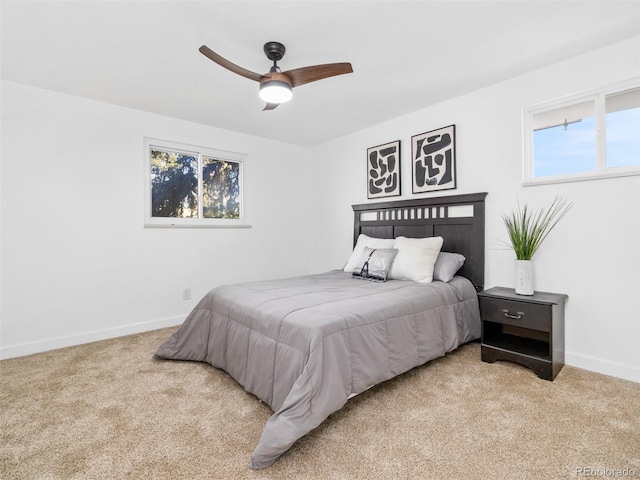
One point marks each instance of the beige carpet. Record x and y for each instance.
(108, 410)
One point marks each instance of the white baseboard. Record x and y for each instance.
(576, 360)
(592, 364)
(88, 337)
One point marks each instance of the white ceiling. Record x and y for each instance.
(405, 55)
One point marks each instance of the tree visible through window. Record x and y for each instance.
(174, 184)
(221, 189)
(193, 188)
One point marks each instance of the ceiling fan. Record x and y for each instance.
(276, 86)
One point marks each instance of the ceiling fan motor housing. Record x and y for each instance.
(274, 51)
(277, 77)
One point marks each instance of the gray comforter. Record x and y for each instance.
(305, 345)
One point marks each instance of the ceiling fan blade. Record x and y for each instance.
(270, 106)
(300, 76)
(223, 62)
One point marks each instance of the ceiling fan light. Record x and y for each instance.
(276, 91)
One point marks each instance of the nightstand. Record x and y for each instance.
(525, 329)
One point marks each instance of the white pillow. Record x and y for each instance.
(365, 241)
(416, 258)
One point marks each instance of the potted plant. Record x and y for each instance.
(527, 230)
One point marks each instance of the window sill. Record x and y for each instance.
(582, 177)
(197, 225)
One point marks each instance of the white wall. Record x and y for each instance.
(77, 264)
(593, 255)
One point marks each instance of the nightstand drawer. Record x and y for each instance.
(521, 314)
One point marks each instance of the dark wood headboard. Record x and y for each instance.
(458, 219)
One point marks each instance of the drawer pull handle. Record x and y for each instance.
(517, 316)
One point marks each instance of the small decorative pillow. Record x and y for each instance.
(447, 265)
(365, 241)
(375, 263)
(416, 258)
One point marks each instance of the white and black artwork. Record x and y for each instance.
(433, 160)
(383, 170)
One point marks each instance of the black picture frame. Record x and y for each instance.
(433, 160)
(383, 170)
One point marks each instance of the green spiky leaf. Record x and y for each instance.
(527, 230)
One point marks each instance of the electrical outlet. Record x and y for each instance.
(186, 294)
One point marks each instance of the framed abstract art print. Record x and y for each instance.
(383, 170)
(433, 160)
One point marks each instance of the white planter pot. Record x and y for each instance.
(524, 277)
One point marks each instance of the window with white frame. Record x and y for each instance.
(190, 186)
(587, 136)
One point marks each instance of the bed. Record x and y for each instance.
(304, 346)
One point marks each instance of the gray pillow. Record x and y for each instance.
(447, 265)
(374, 264)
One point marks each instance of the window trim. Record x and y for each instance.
(154, 222)
(601, 170)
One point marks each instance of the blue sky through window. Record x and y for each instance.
(623, 138)
(557, 151)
